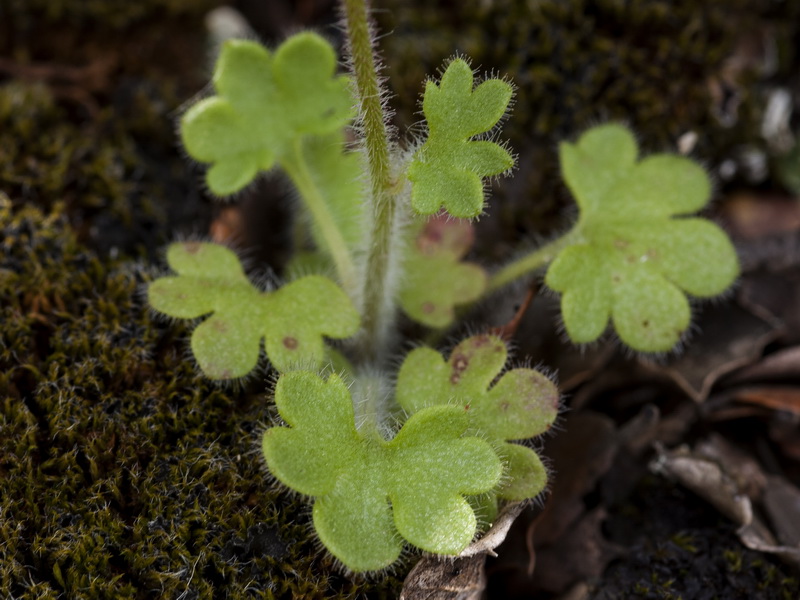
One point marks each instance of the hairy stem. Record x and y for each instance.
(377, 304)
(296, 167)
(530, 262)
(370, 391)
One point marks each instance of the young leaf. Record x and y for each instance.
(522, 404)
(639, 252)
(367, 490)
(264, 103)
(292, 320)
(435, 280)
(447, 169)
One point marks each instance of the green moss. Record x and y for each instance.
(685, 541)
(680, 547)
(89, 95)
(107, 13)
(113, 175)
(123, 472)
(44, 158)
(734, 560)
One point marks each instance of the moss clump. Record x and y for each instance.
(45, 158)
(679, 547)
(112, 174)
(648, 63)
(88, 96)
(105, 13)
(123, 472)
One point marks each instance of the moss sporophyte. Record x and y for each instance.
(424, 465)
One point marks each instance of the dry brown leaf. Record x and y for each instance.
(752, 217)
(617, 374)
(774, 297)
(730, 338)
(783, 364)
(463, 577)
(579, 591)
(581, 454)
(784, 433)
(709, 480)
(757, 538)
(434, 578)
(581, 554)
(782, 503)
(739, 465)
(672, 428)
(706, 478)
(640, 432)
(773, 398)
(568, 541)
(497, 533)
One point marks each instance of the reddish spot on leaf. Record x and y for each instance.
(428, 307)
(443, 232)
(290, 343)
(481, 340)
(192, 247)
(460, 363)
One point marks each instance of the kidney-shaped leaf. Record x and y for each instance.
(265, 102)
(292, 319)
(366, 490)
(523, 403)
(435, 279)
(638, 251)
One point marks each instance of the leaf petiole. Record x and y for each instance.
(532, 261)
(296, 167)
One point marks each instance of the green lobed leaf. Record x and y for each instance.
(448, 169)
(265, 102)
(368, 493)
(590, 167)
(639, 251)
(435, 279)
(291, 320)
(523, 403)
